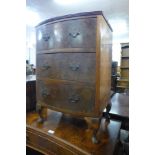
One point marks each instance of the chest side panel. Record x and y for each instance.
(104, 60)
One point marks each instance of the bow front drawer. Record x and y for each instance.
(67, 66)
(69, 97)
(77, 33)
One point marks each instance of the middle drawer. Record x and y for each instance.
(67, 66)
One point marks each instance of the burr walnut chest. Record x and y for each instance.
(74, 64)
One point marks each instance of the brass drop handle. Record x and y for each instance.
(46, 37)
(45, 93)
(74, 98)
(74, 67)
(74, 35)
(46, 67)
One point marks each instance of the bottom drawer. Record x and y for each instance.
(69, 97)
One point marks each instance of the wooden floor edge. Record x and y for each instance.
(57, 140)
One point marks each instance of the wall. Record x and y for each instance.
(31, 45)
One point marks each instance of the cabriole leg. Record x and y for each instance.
(95, 139)
(43, 114)
(94, 125)
(108, 108)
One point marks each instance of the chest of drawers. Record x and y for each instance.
(74, 64)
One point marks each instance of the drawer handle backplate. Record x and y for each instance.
(46, 37)
(45, 93)
(74, 35)
(74, 98)
(74, 67)
(46, 67)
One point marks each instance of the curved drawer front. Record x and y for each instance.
(67, 66)
(67, 34)
(43, 143)
(67, 97)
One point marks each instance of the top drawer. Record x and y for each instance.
(79, 33)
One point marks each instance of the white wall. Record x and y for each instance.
(31, 45)
(116, 52)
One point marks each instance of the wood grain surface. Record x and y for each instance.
(64, 134)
